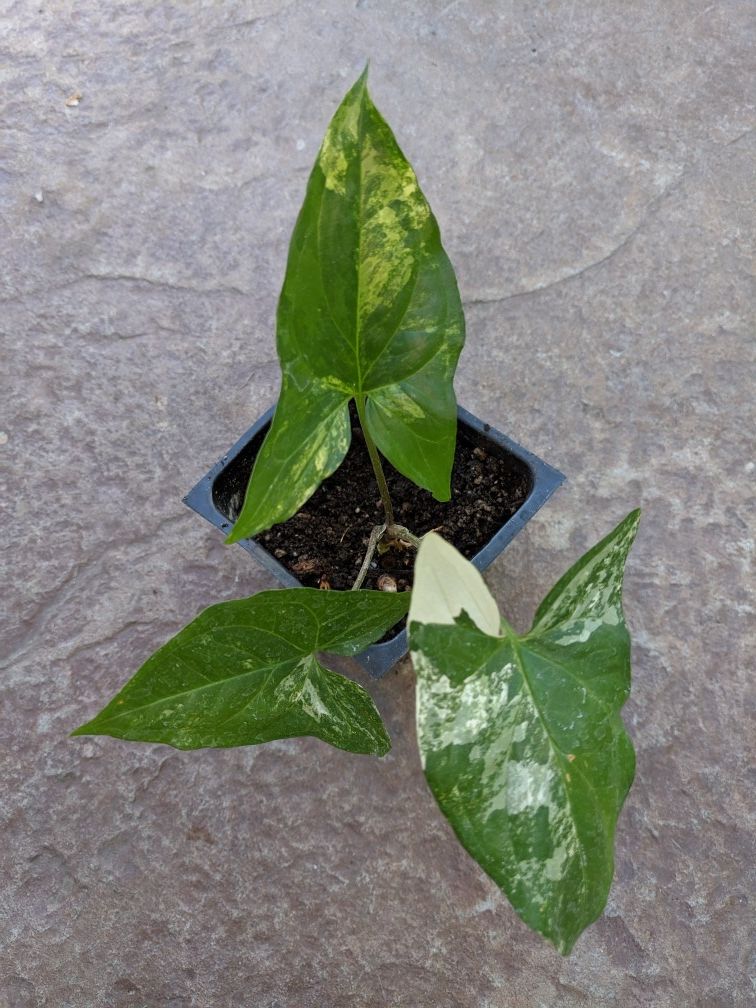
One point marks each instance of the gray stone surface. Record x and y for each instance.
(592, 169)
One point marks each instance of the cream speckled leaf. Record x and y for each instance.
(522, 742)
(369, 310)
(245, 672)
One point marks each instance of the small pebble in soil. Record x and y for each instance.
(304, 566)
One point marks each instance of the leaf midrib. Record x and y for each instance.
(359, 390)
(573, 769)
(130, 711)
(360, 185)
(514, 644)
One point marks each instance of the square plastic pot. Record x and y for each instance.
(212, 499)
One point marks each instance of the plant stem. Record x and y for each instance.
(375, 459)
(375, 535)
(395, 533)
(400, 532)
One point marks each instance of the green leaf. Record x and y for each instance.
(245, 672)
(369, 308)
(307, 441)
(520, 736)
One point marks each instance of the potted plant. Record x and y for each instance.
(520, 735)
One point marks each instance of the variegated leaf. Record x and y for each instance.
(520, 736)
(369, 310)
(245, 672)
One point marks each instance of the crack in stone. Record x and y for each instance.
(115, 336)
(51, 603)
(276, 12)
(109, 637)
(89, 55)
(162, 284)
(589, 267)
(121, 337)
(123, 278)
(739, 137)
(38, 621)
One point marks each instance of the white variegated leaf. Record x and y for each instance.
(521, 737)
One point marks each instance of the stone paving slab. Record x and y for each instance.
(592, 168)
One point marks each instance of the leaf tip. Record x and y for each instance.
(564, 947)
(628, 527)
(384, 748)
(237, 534)
(359, 90)
(83, 729)
(443, 493)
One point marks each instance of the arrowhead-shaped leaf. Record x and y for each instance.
(369, 310)
(245, 672)
(521, 737)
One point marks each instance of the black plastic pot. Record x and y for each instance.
(212, 498)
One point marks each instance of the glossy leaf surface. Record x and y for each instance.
(369, 308)
(520, 736)
(245, 672)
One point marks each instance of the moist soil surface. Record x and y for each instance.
(324, 544)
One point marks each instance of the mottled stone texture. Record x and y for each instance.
(592, 169)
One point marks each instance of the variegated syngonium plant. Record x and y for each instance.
(520, 736)
(370, 312)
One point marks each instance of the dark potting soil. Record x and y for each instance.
(324, 544)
